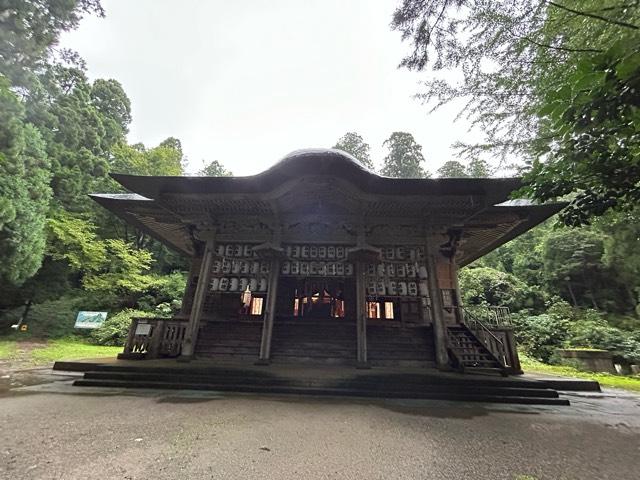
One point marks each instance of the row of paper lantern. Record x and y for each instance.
(317, 268)
(225, 266)
(392, 288)
(410, 270)
(236, 250)
(235, 284)
(402, 253)
(329, 252)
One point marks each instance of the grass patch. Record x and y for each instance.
(70, 348)
(7, 349)
(625, 382)
(27, 352)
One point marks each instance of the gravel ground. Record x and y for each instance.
(51, 430)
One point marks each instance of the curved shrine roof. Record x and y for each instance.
(165, 207)
(317, 162)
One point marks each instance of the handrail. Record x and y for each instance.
(491, 315)
(493, 344)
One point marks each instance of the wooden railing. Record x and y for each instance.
(484, 333)
(490, 316)
(154, 337)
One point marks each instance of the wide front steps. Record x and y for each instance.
(410, 346)
(232, 340)
(469, 352)
(314, 382)
(328, 342)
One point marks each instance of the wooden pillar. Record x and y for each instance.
(361, 316)
(437, 309)
(270, 312)
(458, 293)
(191, 333)
(187, 297)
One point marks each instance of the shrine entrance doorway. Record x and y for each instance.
(316, 299)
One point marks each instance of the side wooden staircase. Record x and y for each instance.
(472, 344)
(470, 354)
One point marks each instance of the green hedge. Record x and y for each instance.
(115, 329)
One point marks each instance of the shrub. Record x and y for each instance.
(49, 319)
(592, 330)
(115, 329)
(488, 286)
(167, 290)
(540, 335)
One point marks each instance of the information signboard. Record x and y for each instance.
(90, 319)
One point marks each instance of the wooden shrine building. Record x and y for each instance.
(319, 260)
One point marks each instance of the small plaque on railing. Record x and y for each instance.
(143, 329)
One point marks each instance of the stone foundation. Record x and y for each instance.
(590, 360)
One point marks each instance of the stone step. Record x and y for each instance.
(360, 382)
(404, 378)
(498, 397)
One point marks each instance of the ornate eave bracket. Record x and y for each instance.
(450, 247)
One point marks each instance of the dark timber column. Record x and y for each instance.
(456, 286)
(270, 312)
(191, 333)
(437, 309)
(361, 315)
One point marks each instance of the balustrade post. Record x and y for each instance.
(128, 346)
(157, 334)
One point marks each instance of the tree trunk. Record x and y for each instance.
(573, 297)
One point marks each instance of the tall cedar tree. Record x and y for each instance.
(354, 144)
(405, 157)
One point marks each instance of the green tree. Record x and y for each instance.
(24, 192)
(621, 232)
(405, 157)
(452, 169)
(478, 168)
(487, 286)
(80, 124)
(354, 144)
(573, 262)
(214, 169)
(552, 82)
(30, 30)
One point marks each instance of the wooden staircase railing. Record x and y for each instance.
(498, 316)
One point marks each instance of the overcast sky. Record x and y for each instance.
(247, 82)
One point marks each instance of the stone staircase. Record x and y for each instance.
(333, 381)
(469, 354)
